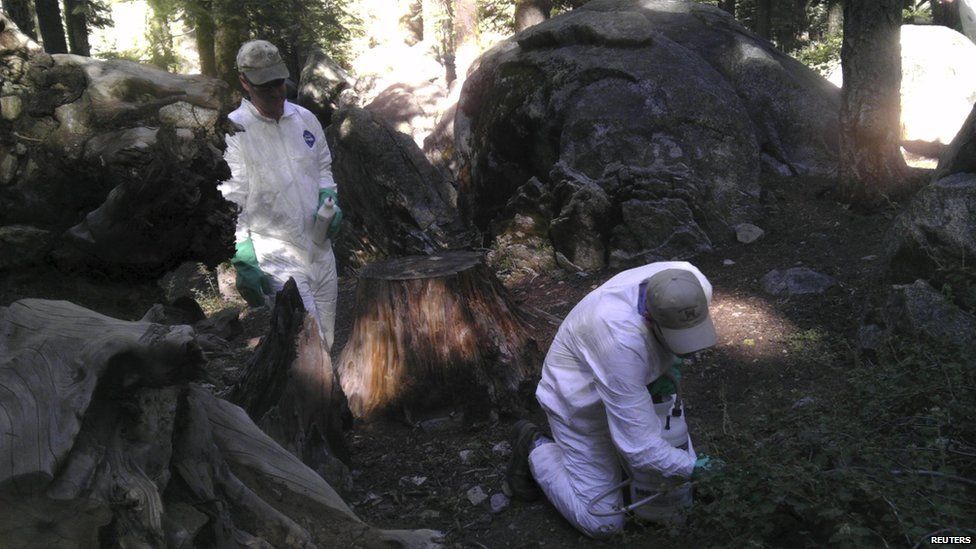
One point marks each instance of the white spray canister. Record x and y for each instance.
(323, 218)
(675, 494)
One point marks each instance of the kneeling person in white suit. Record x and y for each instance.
(594, 389)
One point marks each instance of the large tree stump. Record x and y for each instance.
(432, 330)
(289, 390)
(105, 442)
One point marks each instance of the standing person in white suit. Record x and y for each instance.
(617, 341)
(281, 178)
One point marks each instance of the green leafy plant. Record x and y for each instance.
(882, 457)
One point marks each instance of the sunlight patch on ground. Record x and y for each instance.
(750, 328)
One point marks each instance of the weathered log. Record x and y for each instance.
(106, 442)
(433, 330)
(289, 390)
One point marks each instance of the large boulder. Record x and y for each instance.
(938, 85)
(935, 238)
(960, 155)
(647, 122)
(918, 313)
(325, 87)
(121, 159)
(394, 201)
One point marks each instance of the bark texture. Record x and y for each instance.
(108, 442)
(872, 167)
(74, 16)
(20, 13)
(49, 21)
(290, 391)
(436, 330)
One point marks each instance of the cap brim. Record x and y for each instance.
(691, 339)
(267, 74)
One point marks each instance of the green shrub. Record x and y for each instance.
(882, 458)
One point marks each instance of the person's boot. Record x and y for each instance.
(518, 477)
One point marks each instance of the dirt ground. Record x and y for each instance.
(772, 353)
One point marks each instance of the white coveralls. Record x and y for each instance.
(277, 169)
(594, 392)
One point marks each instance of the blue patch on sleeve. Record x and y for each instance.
(309, 138)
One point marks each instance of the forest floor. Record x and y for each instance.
(773, 354)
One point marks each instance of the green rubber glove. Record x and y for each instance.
(252, 282)
(666, 384)
(706, 467)
(334, 226)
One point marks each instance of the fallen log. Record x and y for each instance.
(434, 330)
(106, 441)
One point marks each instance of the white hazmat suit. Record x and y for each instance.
(277, 169)
(594, 392)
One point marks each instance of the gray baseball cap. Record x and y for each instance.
(260, 62)
(678, 305)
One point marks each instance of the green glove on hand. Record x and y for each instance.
(706, 467)
(667, 384)
(252, 282)
(325, 194)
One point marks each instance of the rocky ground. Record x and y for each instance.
(774, 352)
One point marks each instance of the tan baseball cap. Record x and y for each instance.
(678, 305)
(260, 62)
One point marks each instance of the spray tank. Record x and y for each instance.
(652, 496)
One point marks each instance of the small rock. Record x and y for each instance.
(499, 502)
(476, 495)
(503, 449)
(803, 402)
(11, 107)
(869, 258)
(728, 262)
(436, 424)
(796, 281)
(748, 233)
(565, 263)
(412, 481)
(467, 456)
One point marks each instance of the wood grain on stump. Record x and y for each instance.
(432, 330)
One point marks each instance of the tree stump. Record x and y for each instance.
(289, 390)
(433, 330)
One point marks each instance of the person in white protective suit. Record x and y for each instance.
(281, 178)
(617, 341)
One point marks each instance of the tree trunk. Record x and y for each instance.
(531, 12)
(49, 21)
(946, 14)
(438, 17)
(764, 18)
(20, 13)
(289, 390)
(160, 38)
(202, 18)
(77, 27)
(728, 6)
(835, 18)
(436, 330)
(871, 165)
(231, 32)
